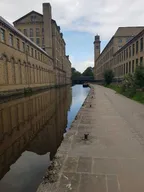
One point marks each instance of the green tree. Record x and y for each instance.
(88, 72)
(75, 73)
(139, 76)
(108, 76)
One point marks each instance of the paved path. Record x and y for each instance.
(112, 160)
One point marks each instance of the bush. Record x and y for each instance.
(139, 76)
(108, 76)
(128, 87)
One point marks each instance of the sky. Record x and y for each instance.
(80, 21)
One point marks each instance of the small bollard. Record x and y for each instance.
(86, 136)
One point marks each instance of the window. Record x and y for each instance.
(35, 54)
(2, 31)
(141, 44)
(10, 39)
(37, 41)
(37, 32)
(18, 44)
(137, 47)
(32, 52)
(133, 51)
(31, 32)
(120, 40)
(25, 32)
(42, 30)
(126, 67)
(130, 51)
(23, 44)
(28, 49)
(33, 18)
(126, 53)
(136, 62)
(122, 56)
(132, 66)
(141, 60)
(38, 56)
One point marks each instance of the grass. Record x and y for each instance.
(115, 87)
(138, 96)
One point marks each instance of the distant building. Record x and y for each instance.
(107, 58)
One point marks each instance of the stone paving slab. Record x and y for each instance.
(112, 159)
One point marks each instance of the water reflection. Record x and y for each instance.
(31, 130)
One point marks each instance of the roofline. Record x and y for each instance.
(58, 28)
(12, 28)
(131, 41)
(26, 16)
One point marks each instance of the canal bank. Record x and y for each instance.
(62, 161)
(112, 158)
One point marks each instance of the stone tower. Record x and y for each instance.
(96, 47)
(47, 17)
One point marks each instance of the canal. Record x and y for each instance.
(31, 130)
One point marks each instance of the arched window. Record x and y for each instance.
(5, 69)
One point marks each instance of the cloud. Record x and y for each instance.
(81, 66)
(102, 17)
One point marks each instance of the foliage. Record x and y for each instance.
(108, 76)
(139, 96)
(88, 72)
(132, 85)
(139, 76)
(75, 73)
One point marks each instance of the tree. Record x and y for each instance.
(88, 72)
(108, 76)
(75, 73)
(139, 76)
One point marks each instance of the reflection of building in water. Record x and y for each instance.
(38, 120)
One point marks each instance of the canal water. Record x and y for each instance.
(31, 130)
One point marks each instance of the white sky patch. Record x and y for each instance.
(81, 66)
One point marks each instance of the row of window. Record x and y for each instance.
(130, 51)
(30, 32)
(120, 40)
(128, 67)
(21, 46)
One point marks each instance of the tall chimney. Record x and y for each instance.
(97, 47)
(47, 17)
